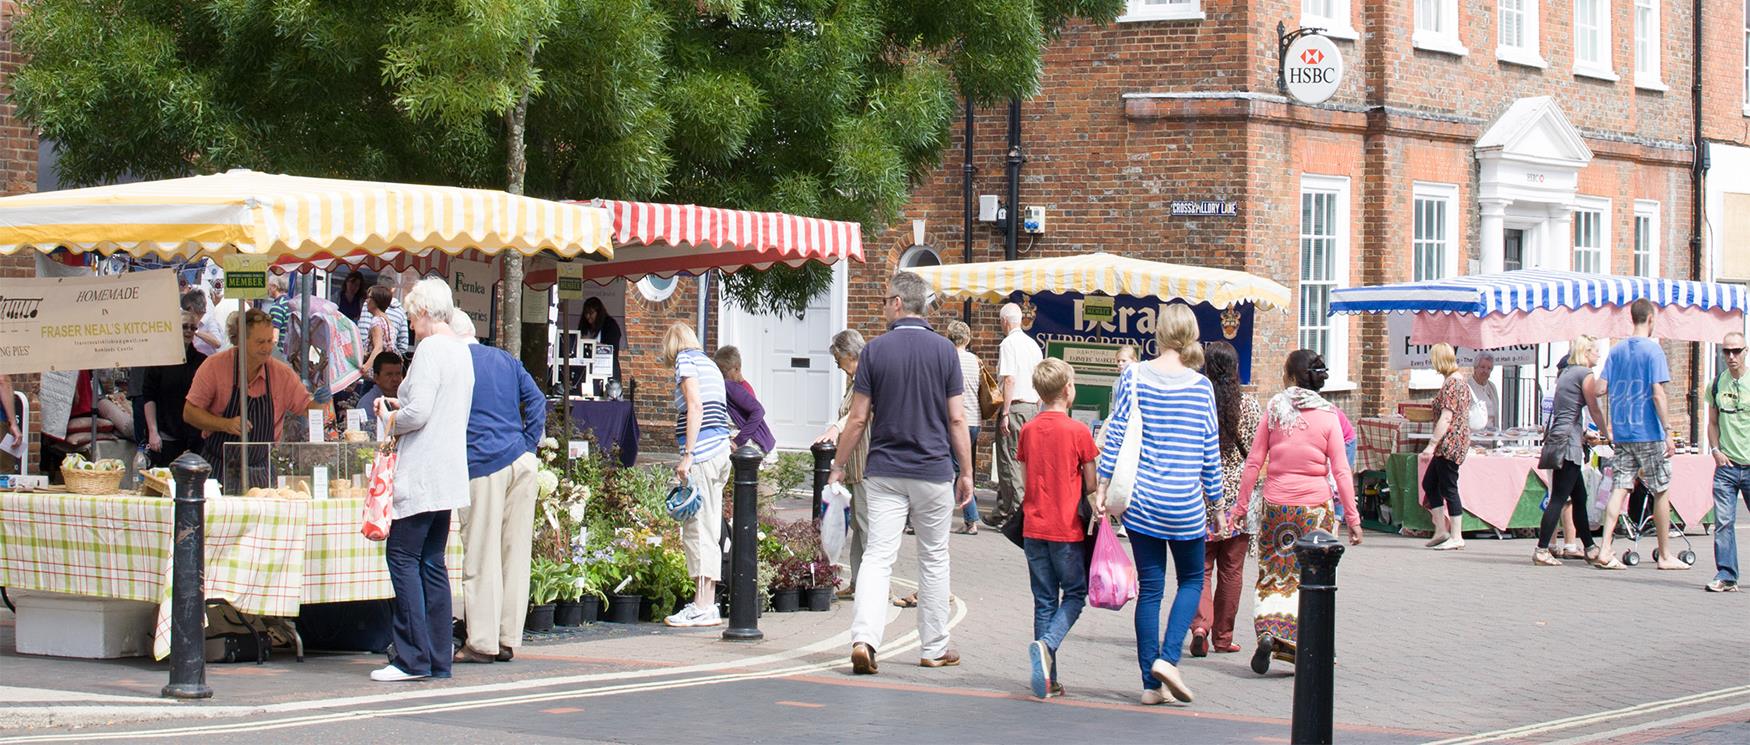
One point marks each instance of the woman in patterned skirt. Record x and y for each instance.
(1224, 555)
(1304, 443)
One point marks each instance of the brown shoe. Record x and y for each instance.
(467, 654)
(863, 659)
(949, 658)
(505, 654)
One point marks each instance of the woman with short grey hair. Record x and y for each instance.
(847, 348)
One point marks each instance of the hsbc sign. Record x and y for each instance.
(1312, 68)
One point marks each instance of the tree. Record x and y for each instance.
(827, 108)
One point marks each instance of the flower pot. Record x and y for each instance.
(646, 609)
(819, 599)
(591, 608)
(623, 608)
(787, 601)
(540, 618)
(568, 613)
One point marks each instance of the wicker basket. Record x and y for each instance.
(154, 486)
(93, 482)
(1418, 414)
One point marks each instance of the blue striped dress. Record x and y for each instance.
(1180, 470)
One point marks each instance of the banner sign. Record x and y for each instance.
(1129, 320)
(471, 283)
(245, 276)
(1407, 356)
(90, 323)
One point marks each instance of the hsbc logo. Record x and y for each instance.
(1312, 56)
(1312, 68)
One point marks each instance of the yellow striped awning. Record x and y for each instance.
(245, 212)
(1107, 274)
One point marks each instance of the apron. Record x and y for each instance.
(260, 420)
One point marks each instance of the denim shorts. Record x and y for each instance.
(1643, 460)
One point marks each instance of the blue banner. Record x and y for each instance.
(1060, 318)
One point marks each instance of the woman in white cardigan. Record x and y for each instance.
(430, 420)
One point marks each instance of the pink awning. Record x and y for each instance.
(670, 239)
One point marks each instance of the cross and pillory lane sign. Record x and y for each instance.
(85, 323)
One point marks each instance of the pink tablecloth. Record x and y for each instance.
(1692, 487)
(1490, 486)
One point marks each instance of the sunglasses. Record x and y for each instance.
(190, 327)
(1732, 351)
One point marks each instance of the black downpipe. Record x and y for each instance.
(967, 170)
(1012, 225)
(1695, 226)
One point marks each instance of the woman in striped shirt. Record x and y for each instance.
(702, 433)
(1177, 476)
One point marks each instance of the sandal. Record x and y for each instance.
(1544, 558)
(1591, 555)
(1613, 564)
(909, 601)
(967, 529)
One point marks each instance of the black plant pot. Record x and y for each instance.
(646, 609)
(623, 608)
(787, 601)
(540, 618)
(819, 599)
(568, 613)
(591, 609)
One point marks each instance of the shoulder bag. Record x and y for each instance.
(989, 396)
(1123, 481)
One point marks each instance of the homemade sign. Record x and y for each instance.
(89, 323)
(1064, 318)
(1407, 356)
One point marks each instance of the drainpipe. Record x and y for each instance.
(1013, 164)
(1695, 224)
(966, 172)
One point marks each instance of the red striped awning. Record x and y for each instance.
(670, 239)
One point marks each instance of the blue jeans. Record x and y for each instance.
(969, 513)
(1059, 572)
(1151, 569)
(422, 625)
(1730, 483)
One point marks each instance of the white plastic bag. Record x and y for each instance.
(835, 524)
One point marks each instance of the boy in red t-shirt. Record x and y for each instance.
(1057, 455)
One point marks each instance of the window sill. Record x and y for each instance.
(1747, 109)
(1650, 85)
(1174, 15)
(1443, 44)
(1340, 386)
(1516, 56)
(1332, 27)
(1596, 73)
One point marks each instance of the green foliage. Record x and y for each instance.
(548, 581)
(829, 108)
(787, 472)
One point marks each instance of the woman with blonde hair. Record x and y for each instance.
(1564, 448)
(1178, 474)
(702, 432)
(1446, 450)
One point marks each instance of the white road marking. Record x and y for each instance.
(1598, 718)
(1672, 721)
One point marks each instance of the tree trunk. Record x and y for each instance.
(516, 167)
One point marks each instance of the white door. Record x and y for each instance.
(788, 362)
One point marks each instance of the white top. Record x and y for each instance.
(213, 323)
(969, 380)
(1016, 359)
(431, 468)
(1486, 395)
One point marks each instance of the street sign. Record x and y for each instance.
(245, 276)
(1312, 68)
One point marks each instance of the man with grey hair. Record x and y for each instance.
(1485, 397)
(912, 375)
(1016, 358)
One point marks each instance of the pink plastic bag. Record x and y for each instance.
(1112, 577)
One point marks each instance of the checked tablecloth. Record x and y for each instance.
(263, 556)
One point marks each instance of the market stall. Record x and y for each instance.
(1501, 485)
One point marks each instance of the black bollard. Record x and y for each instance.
(824, 452)
(744, 616)
(188, 594)
(1318, 553)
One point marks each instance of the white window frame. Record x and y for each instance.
(1746, 57)
(1646, 209)
(1181, 10)
(1599, 68)
(1444, 40)
(1337, 25)
(1337, 351)
(1647, 42)
(1601, 206)
(1526, 53)
(1446, 194)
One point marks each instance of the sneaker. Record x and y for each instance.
(1056, 690)
(1153, 697)
(1168, 674)
(1720, 585)
(393, 674)
(1039, 656)
(692, 615)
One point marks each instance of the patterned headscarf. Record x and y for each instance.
(1285, 407)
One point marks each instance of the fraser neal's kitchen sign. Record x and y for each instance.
(89, 323)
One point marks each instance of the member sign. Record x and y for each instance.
(1312, 69)
(89, 323)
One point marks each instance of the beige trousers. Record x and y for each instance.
(497, 527)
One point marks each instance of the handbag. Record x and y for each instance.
(1123, 481)
(989, 396)
(1555, 446)
(381, 497)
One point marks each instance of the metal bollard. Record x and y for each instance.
(1318, 553)
(188, 598)
(824, 452)
(744, 616)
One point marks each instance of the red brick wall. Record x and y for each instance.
(18, 152)
(1723, 115)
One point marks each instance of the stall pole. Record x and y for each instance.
(1318, 553)
(306, 284)
(565, 392)
(823, 455)
(242, 390)
(744, 616)
(188, 661)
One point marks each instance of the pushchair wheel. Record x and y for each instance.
(1655, 555)
(1631, 558)
(1687, 557)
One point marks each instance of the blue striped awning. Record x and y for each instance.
(1534, 289)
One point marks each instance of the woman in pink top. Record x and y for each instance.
(1304, 443)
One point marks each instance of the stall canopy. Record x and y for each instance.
(1108, 274)
(242, 211)
(1533, 306)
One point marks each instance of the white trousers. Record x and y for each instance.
(497, 528)
(930, 505)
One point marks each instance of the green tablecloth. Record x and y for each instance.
(1406, 503)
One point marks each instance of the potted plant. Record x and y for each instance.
(787, 588)
(568, 610)
(823, 578)
(546, 579)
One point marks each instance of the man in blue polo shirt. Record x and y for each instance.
(912, 375)
(505, 425)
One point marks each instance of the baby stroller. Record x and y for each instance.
(1637, 522)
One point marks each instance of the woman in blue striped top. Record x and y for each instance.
(1178, 474)
(702, 433)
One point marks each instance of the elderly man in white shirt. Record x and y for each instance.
(1484, 394)
(1016, 358)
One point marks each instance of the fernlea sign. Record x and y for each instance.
(1312, 69)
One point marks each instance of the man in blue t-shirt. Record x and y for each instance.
(1635, 375)
(912, 375)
